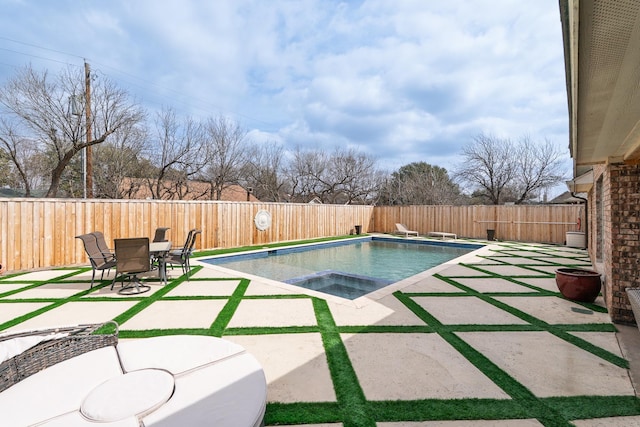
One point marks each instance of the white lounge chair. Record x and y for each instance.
(402, 229)
(182, 380)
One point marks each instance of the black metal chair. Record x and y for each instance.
(132, 258)
(161, 234)
(181, 256)
(100, 261)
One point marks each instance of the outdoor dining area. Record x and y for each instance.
(134, 256)
(84, 374)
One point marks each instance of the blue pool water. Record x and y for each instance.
(348, 269)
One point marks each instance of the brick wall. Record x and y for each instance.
(619, 234)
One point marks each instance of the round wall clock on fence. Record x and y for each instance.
(263, 220)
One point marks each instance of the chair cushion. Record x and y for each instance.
(132, 394)
(175, 353)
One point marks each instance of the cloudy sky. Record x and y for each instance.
(402, 80)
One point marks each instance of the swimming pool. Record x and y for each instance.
(348, 269)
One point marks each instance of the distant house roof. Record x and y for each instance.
(565, 198)
(194, 190)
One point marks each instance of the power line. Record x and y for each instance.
(35, 56)
(40, 47)
(145, 86)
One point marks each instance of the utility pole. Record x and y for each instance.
(89, 161)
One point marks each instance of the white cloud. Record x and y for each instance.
(407, 80)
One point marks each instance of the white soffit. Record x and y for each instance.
(609, 81)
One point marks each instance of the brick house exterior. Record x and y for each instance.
(602, 58)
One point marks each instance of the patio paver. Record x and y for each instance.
(387, 367)
(274, 312)
(525, 356)
(469, 311)
(176, 314)
(555, 310)
(294, 364)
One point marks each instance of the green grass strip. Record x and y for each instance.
(534, 407)
(303, 413)
(447, 409)
(585, 407)
(552, 329)
(224, 317)
(349, 393)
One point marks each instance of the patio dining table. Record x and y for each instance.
(159, 251)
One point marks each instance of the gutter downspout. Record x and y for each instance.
(586, 217)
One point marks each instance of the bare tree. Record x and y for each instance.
(354, 176)
(344, 176)
(303, 171)
(539, 167)
(488, 166)
(263, 171)
(225, 153)
(39, 105)
(118, 166)
(176, 156)
(19, 151)
(500, 170)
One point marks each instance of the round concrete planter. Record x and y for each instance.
(577, 284)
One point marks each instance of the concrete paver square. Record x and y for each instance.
(430, 284)
(548, 269)
(204, 288)
(510, 270)
(385, 311)
(546, 283)
(295, 366)
(51, 290)
(549, 366)
(466, 423)
(415, 366)
(492, 284)
(461, 270)
(466, 311)
(7, 287)
(257, 287)
(106, 291)
(176, 314)
(555, 310)
(204, 273)
(274, 312)
(85, 276)
(74, 313)
(605, 340)
(514, 260)
(573, 253)
(520, 253)
(37, 276)
(13, 310)
(609, 422)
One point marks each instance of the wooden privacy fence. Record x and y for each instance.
(40, 233)
(524, 223)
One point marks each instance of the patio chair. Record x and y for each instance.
(160, 234)
(181, 256)
(402, 229)
(102, 244)
(132, 258)
(99, 260)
